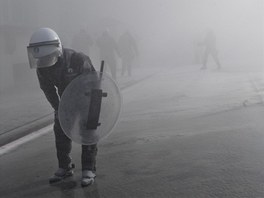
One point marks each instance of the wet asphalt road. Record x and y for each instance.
(202, 137)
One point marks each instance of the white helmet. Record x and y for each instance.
(44, 48)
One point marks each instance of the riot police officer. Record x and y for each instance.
(56, 67)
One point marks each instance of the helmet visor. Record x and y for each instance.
(44, 56)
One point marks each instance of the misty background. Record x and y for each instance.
(183, 131)
(167, 32)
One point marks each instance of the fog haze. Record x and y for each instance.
(192, 114)
(166, 29)
(168, 34)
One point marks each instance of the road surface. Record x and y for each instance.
(182, 133)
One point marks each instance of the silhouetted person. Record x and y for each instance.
(82, 42)
(197, 52)
(128, 51)
(108, 50)
(210, 49)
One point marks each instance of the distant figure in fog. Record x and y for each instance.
(210, 49)
(128, 51)
(108, 50)
(197, 52)
(82, 42)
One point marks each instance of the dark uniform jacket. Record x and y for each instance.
(53, 80)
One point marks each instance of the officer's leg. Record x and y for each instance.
(63, 146)
(89, 153)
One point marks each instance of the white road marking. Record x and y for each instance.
(13, 145)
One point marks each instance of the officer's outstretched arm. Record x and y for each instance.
(49, 91)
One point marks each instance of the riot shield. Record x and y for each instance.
(89, 108)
